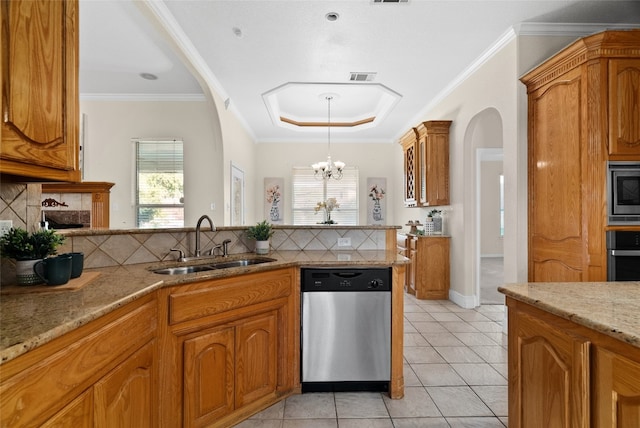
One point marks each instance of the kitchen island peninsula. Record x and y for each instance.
(574, 354)
(206, 348)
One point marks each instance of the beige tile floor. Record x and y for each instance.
(455, 376)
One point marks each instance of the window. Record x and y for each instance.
(159, 184)
(308, 191)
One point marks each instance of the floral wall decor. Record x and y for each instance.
(376, 203)
(237, 195)
(273, 197)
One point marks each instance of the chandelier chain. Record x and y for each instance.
(328, 169)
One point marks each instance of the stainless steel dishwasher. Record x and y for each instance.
(346, 329)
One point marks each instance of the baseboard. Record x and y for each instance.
(466, 302)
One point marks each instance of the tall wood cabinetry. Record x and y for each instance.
(426, 164)
(583, 108)
(40, 103)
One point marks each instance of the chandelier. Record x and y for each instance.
(328, 169)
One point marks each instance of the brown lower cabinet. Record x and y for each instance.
(562, 374)
(228, 348)
(208, 353)
(428, 276)
(103, 374)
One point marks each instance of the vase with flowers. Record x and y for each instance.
(27, 249)
(326, 207)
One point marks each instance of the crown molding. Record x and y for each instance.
(566, 29)
(142, 97)
(522, 29)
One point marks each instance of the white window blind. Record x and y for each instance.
(308, 191)
(159, 183)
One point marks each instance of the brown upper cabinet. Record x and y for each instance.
(40, 103)
(583, 106)
(624, 106)
(426, 164)
(409, 142)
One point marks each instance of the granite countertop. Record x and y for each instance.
(610, 308)
(29, 320)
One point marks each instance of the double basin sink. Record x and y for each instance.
(222, 264)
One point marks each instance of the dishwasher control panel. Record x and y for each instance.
(346, 279)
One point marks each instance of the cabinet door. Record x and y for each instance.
(40, 89)
(411, 168)
(256, 358)
(432, 268)
(556, 243)
(433, 168)
(548, 375)
(422, 171)
(412, 254)
(126, 396)
(624, 107)
(208, 377)
(77, 414)
(617, 391)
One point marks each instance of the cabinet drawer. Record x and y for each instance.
(38, 391)
(214, 297)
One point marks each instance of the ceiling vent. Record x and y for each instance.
(390, 1)
(362, 77)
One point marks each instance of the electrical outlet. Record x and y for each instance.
(5, 225)
(344, 242)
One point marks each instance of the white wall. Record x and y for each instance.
(493, 85)
(109, 154)
(372, 160)
(490, 239)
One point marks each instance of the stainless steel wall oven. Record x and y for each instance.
(623, 255)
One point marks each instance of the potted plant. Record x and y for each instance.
(261, 232)
(27, 249)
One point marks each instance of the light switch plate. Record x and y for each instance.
(5, 225)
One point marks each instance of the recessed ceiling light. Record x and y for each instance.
(332, 16)
(237, 31)
(148, 76)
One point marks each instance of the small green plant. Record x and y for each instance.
(21, 245)
(433, 213)
(262, 231)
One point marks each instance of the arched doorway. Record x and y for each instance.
(484, 139)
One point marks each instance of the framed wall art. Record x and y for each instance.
(273, 199)
(376, 202)
(237, 196)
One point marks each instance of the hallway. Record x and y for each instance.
(455, 376)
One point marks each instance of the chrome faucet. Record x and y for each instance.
(213, 229)
(224, 247)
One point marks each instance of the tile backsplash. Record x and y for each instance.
(22, 204)
(117, 248)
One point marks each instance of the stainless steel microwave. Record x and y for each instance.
(623, 192)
